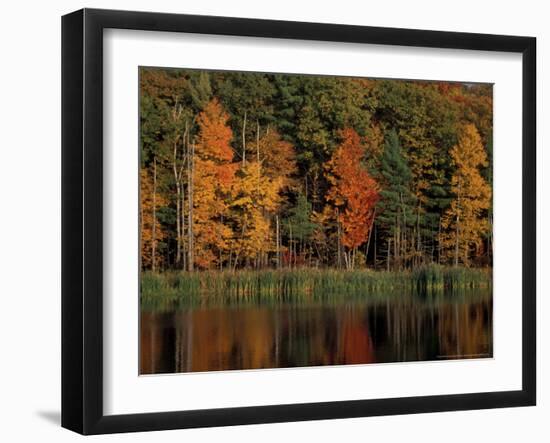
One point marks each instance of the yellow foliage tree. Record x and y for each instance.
(464, 223)
(256, 198)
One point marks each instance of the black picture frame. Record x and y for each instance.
(82, 220)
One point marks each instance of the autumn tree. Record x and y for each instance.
(277, 156)
(353, 194)
(278, 165)
(211, 179)
(255, 197)
(465, 222)
(310, 112)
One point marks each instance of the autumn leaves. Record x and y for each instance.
(212, 179)
(254, 171)
(353, 194)
(464, 223)
(235, 204)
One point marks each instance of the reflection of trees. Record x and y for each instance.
(247, 337)
(409, 330)
(225, 339)
(254, 337)
(156, 343)
(355, 344)
(464, 331)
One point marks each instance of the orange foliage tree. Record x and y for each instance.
(353, 193)
(212, 178)
(277, 156)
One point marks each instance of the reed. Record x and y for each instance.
(307, 284)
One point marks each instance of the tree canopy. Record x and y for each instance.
(263, 170)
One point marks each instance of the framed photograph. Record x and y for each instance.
(269, 221)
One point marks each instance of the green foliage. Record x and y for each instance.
(200, 89)
(397, 205)
(248, 99)
(300, 220)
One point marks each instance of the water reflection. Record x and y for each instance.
(394, 329)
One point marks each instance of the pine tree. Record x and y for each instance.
(300, 224)
(396, 205)
(200, 89)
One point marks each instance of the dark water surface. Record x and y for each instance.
(394, 328)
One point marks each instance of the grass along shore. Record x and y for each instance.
(286, 284)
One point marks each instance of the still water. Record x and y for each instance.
(394, 328)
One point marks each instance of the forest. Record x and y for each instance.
(256, 172)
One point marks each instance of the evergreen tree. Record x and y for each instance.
(200, 89)
(300, 227)
(300, 219)
(396, 205)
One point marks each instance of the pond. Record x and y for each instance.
(332, 331)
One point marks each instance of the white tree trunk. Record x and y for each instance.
(154, 228)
